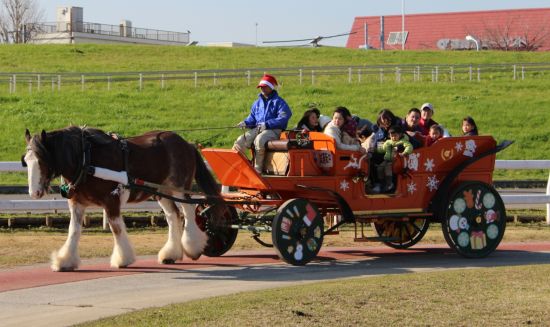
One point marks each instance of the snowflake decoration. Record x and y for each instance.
(429, 165)
(470, 148)
(411, 187)
(432, 183)
(344, 185)
(458, 146)
(412, 161)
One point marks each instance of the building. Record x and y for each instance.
(229, 44)
(522, 29)
(70, 28)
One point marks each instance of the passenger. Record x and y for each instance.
(335, 129)
(436, 132)
(385, 120)
(362, 124)
(469, 127)
(427, 112)
(310, 121)
(410, 126)
(397, 145)
(349, 135)
(268, 117)
(379, 135)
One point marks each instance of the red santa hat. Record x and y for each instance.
(268, 80)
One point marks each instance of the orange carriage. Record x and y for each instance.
(308, 189)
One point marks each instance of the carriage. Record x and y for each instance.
(309, 188)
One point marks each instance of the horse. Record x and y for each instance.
(161, 157)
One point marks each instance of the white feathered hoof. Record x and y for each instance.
(122, 258)
(63, 261)
(193, 243)
(170, 253)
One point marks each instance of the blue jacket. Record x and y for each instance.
(274, 112)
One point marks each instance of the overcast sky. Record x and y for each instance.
(242, 20)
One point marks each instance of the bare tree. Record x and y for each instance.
(17, 19)
(515, 34)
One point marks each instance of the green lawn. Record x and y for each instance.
(503, 296)
(502, 107)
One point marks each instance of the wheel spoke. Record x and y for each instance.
(408, 233)
(418, 230)
(401, 226)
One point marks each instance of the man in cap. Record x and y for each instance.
(426, 112)
(268, 117)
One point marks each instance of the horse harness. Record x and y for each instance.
(67, 190)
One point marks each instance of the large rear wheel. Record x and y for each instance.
(474, 219)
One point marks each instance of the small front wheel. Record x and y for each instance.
(474, 220)
(297, 231)
(221, 236)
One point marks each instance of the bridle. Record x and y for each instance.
(67, 189)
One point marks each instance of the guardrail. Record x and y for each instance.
(301, 75)
(15, 166)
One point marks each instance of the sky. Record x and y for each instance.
(253, 22)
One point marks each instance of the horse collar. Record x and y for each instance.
(67, 190)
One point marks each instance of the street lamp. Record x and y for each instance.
(472, 39)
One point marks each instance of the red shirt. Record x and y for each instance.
(424, 125)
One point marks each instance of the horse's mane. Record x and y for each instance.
(60, 149)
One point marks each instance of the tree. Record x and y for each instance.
(515, 34)
(17, 19)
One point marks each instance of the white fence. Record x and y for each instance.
(21, 81)
(50, 205)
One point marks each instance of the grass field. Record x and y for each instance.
(502, 107)
(503, 296)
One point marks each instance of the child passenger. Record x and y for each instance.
(397, 145)
(469, 127)
(436, 132)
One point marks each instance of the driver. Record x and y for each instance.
(268, 117)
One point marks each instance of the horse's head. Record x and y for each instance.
(36, 160)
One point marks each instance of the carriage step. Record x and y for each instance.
(376, 239)
(334, 232)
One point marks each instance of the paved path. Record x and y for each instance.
(35, 296)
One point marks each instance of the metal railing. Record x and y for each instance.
(300, 75)
(108, 30)
(22, 205)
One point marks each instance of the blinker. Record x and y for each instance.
(23, 162)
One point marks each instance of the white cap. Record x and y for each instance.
(429, 106)
(324, 120)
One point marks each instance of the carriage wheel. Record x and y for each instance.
(402, 234)
(297, 231)
(474, 219)
(221, 236)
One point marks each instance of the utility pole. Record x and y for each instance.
(402, 24)
(256, 33)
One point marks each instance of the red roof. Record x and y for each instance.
(425, 30)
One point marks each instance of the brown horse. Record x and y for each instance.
(159, 157)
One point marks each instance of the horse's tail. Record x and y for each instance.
(207, 183)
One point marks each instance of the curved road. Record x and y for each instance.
(35, 296)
